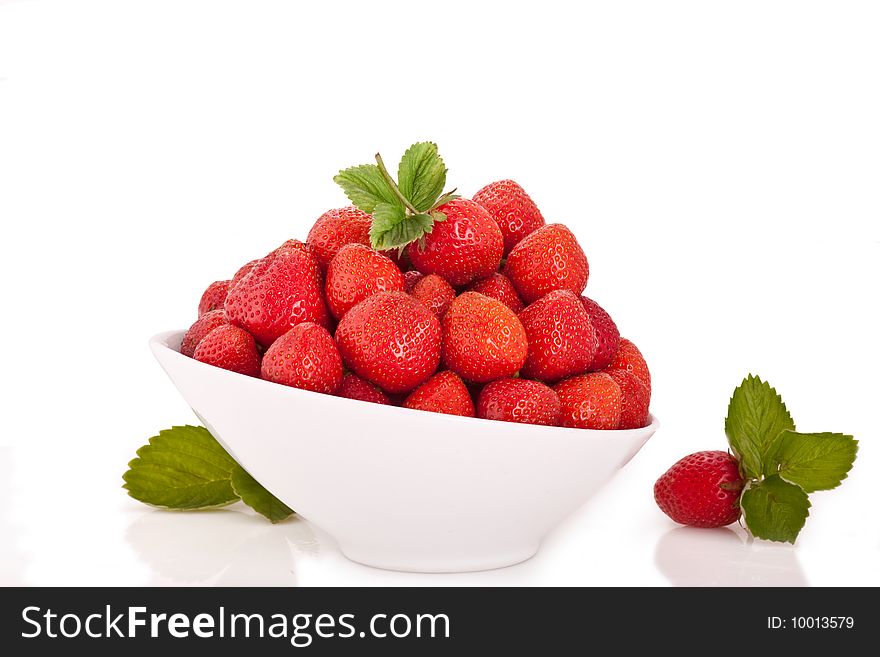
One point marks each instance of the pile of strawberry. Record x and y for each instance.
(423, 299)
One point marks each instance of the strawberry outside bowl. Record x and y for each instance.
(397, 488)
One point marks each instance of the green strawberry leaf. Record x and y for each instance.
(181, 468)
(258, 498)
(366, 187)
(413, 228)
(756, 420)
(395, 231)
(404, 211)
(421, 175)
(386, 218)
(816, 461)
(445, 198)
(186, 468)
(774, 509)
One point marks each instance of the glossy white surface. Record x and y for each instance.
(397, 488)
(717, 161)
(618, 539)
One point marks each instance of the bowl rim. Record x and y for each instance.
(164, 339)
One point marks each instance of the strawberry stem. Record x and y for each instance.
(393, 185)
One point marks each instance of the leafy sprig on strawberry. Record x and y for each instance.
(404, 210)
(773, 469)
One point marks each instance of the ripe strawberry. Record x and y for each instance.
(242, 272)
(336, 228)
(434, 293)
(305, 357)
(519, 400)
(410, 278)
(607, 335)
(354, 387)
(200, 328)
(442, 393)
(498, 286)
(279, 292)
(590, 401)
(245, 268)
(701, 490)
(513, 210)
(213, 297)
(634, 399)
(482, 339)
(295, 245)
(231, 348)
(465, 247)
(357, 272)
(561, 337)
(548, 259)
(628, 357)
(391, 340)
(395, 256)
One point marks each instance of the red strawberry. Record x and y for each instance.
(279, 292)
(628, 357)
(519, 400)
(465, 247)
(498, 286)
(202, 326)
(336, 228)
(513, 210)
(391, 340)
(434, 293)
(354, 387)
(395, 256)
(442, 393)
(355, 273)
(242, 272)
(410, 278)
(561, 337)
(214, 297)
(548, 259)
(701, 490)
(607, 336)
(589, 401)
(295, 245)
(634, 399)
(231, 348)
(305, 357)
(482, 339)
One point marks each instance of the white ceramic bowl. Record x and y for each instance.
(398, 488)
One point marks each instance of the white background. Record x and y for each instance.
(719, 163)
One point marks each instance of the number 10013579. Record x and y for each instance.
(811, 623)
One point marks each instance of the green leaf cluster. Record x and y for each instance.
(186, 468)
(780, 465)
(404, 210)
